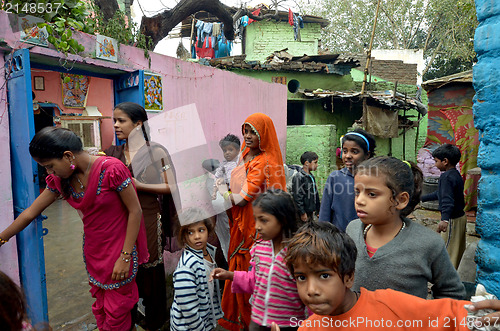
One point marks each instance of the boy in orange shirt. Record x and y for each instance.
(322, 260)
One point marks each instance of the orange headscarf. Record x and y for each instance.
(268, 144)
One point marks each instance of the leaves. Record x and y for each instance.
(444, 29)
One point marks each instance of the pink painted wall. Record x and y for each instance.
(8, 252)
(222, 100)
(100, 95)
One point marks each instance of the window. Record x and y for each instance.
(89, 130)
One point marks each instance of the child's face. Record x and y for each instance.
(321, 289)
(313, 165)
(250, 137)
(373, 200)
(230, 152)
(267, 225)
(197, 236)
(441, 164)
(352, 154)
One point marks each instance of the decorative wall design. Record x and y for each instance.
(75, 89)
(153, 98)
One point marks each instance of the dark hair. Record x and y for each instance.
(308, 156)
(279, 204)
(360, 141)
(210, 165)
(136, 113)
(190, 216)
(324, 244)
(230, 139)
(448, 151)
(12, 304)
(51, 143)
(400, 176)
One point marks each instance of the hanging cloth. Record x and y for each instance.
(290, 17)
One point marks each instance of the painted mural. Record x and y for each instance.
(153, 90)
(450, 120)
(106, 48)
(75, 89)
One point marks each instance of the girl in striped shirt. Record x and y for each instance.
(274, 292)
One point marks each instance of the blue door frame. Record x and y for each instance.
(128, 87)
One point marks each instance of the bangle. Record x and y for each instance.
(126, 259)
(125, 253)
(447, 221)
(226, 195)
(3, 241)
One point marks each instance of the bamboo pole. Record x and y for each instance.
(369, 53)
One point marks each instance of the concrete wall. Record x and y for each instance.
(486, 118)
(8, 252)
(100, 94)
(265, 37)
(315, 138)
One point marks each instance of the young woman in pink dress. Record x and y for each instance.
(114, 241)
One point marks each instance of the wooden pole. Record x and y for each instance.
(369, 53)
(191, 38)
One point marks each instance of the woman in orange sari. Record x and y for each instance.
(260, 167)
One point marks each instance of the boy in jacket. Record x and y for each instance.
(304, 188)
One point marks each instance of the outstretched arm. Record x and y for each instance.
(45, 199)
(490, 319)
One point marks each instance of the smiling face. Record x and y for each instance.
(230, 152)
(352, 154)
(251, 138)
(123, 125)
(197, 236)
(267, 225)
(59, 167)
(322, 290)
(374, 200)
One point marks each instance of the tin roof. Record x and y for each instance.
(461, 77)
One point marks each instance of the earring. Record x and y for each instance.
(138, 128)
(72, 166)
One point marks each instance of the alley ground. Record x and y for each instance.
(69, 300)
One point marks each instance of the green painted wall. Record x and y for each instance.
(316, 138)
(265, 37)
(307, 80)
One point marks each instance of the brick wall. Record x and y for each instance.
(391, 70)
(265, 37)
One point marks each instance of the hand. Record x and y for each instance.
(490, 319)
(442, 226)
(220, 273)
(303, 217)
(219, 181)
(121, 268)
(275, 327)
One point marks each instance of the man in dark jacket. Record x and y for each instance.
(304, 188)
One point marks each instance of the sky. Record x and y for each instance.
(168, 46)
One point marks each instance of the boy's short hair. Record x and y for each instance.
(322, 243)
(228, 140)
(308, 156)
(190, 216)
(448, 151)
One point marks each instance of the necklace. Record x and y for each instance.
(205, 254)
(369, 226)
(88, 167)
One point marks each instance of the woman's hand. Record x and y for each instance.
(275, 327)
(121, 268)
(490, 319)
(220, 273)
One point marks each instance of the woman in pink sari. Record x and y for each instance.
(114, 242)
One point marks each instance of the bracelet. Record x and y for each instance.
(125, 253)
(126, 259)
(226, 195)
(3, 241)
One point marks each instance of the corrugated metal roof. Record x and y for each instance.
(461, 77)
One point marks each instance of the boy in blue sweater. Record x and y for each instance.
(450, 195)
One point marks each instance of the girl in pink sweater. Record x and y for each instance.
(275, 297)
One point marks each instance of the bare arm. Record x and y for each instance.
(45, 199)
(235, 199)
(158, 188)
(130, 200)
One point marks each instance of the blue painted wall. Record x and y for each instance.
(486, 118)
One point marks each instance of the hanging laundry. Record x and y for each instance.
(216, 30)
(290, 17)
(296, 27)
(206, 51)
